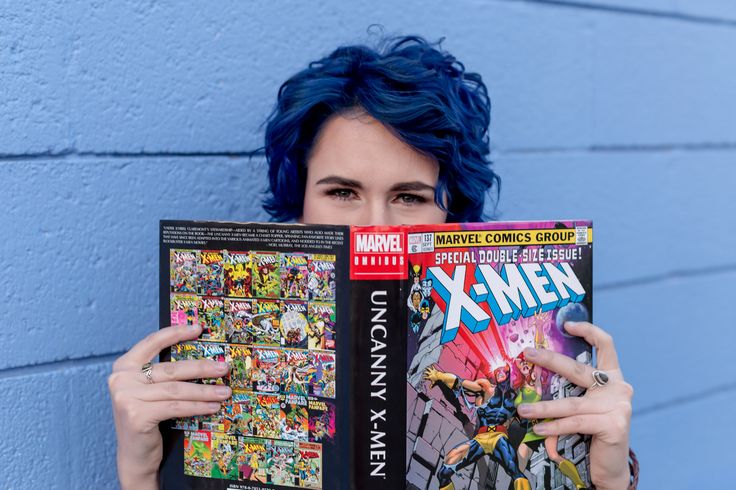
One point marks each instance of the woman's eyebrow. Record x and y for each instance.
(411, 186)
(334, 179)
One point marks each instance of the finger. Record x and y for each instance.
(564, 407)
(154, 343)
(576, 372)
(598, 338)
(188, 369)
(182, 390)
(164, 410)
(592, 424)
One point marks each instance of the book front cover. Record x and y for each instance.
(477, 296)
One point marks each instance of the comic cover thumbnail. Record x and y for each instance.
(322, 334)
(266, 414)
(211, 317)
(237, 273)
(321, 283)
(281, 461)
(294, 272)
(266, 274)
(197, 453)
(209, 273)
(238, 413)
(185, 309)
(294, 324)
(296, 371)
(183, 270)
(239, 320)
(241, 362)
(224, 460)
(266, 328)
(184, 351)
(294, 418)
(266, 369)
(214, 422)
(309, 464)
(252, 459)
(321, 421)
(216, 352)
(322, 381)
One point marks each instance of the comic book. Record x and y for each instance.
(376, 357)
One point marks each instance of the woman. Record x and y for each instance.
(398, 135)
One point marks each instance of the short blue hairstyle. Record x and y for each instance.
(420, 92)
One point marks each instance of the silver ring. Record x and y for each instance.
(147, 371)
(600, 378)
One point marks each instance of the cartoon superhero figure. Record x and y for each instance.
(494, 407)
(531, 391)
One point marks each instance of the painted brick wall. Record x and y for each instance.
(113, 116)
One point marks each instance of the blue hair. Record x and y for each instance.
(423, 94)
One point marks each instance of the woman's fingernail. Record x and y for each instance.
(222, 391)
(194, 326)
(213, 406)
(540, 429)
(530, 352)
(525, 409)
(223, 367)
(570, 323)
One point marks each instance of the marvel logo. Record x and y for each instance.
(378, 243)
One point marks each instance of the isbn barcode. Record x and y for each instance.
(581, 235)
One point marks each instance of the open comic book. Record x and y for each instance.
(375, 357)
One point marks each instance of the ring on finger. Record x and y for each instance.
(147, 371)
(600, 378)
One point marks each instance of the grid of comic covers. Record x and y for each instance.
(272, 317)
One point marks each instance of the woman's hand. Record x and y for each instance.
(139, 405)
(604, 412)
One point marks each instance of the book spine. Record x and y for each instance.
(378, 312)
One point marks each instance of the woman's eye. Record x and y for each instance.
(343, 194)
(410, 199)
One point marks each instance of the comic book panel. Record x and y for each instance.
(266, 369)
(266, 324)
(252, 459)
(224, 460)
(183, 270)
(309, 465)
(266, 413)
(321, 279)
(294, 418)
(211, 317)
(321, 421)
(239, 320)
(185, 309)
(322, 381)
(239, 413)
(294, 272)
(281, 462)
(237, 273)
(322, 335)
(294, 324)
(266, 274)
(209, 273)
(296, 371)
(240, 358)
(197, 453)
(215, 352)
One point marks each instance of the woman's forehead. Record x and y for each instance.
(359, 148)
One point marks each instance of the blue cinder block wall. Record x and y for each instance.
(116, 114)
